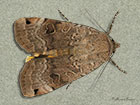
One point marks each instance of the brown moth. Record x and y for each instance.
(62, 52)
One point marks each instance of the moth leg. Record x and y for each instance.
(36, 54)
(117, 66)
(110, 27)
(68, 85)
(28, 58)
(63, 16)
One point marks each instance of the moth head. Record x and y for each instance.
(115, 45)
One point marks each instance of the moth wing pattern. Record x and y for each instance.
(37, 35)
(78, 50)
(42, 75)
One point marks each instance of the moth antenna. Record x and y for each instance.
(63, 16)
(100, 73)
(96, 23)
(113, 20)
(117, 66)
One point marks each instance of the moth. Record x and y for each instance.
(61, 51)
